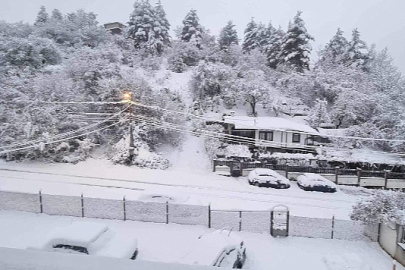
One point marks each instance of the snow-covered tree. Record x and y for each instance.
(142, 24)
(183, 55)
(57, 15)
(250, 41)
(42, 16)
(228, 36)
(295, 50)
(274, 48)
(357, 53)
(336, 49)
(254, 89)
(192, 31)
(162, 30)
(319, 115)
(382, 206)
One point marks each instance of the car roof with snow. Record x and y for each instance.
(81, 234)
(209, 247)
(313, 178)
(261, 171)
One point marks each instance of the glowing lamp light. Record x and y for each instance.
(127, 96)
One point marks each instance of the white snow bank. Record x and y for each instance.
(11, 259)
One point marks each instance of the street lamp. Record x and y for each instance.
(126, 96)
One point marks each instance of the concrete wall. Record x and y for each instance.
(372, 182)
(400, 252)
(388, 238)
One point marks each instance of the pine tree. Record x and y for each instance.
(192, 30)
(141, 24)
(270, 31)
(336, 49)
(57, 15)
(357, 52)
(263, 36)
(164, 25)
(228, 36)
(296, 49)
(274, 48)
(251, 37)
(42, 16)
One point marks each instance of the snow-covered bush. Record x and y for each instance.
(213, 144)
(380, 207)
(235, 150)
(183, 52)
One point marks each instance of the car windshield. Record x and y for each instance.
(73, 248)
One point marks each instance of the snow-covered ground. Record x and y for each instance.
(101, 179)
(169, 244)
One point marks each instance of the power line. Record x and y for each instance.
(266, 128)
(61, 140)
(66, 133)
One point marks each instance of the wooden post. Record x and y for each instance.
(213, 165)
(333, 226)
(41, 210)
(271, 222)
(167, 212)
(125, 212)
(394, 265)
(286, 171)
(386, 172)
(209, 216)
(288, 223)
(82, 203)
(240, 220)
(358, 176)
(337, 175)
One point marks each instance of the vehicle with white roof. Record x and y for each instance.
(268, 178)
(315, 182)
(91, 239)
(221, 248)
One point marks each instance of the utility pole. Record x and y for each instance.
(127, 98)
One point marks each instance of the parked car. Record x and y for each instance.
(221, 248)
(91, 239)
(267, 178)
(315, 182)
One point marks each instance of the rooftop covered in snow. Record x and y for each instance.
(268, 123)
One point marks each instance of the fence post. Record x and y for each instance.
(394, 265)
(333, 227)
(240, 220)
(125, 211)
(288, 222)
(271, 223)
(214, 163)
(358, 176)
(286, 171)
(337, 175)
(209, 216)
(40, 202)
(167, 212)
(82, 202)
(386, 178)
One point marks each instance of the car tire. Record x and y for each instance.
(257, 184)
(283, 186)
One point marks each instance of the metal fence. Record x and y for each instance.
(250, 221)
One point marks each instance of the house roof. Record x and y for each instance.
(268, 123)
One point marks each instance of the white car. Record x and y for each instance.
(221, 248)
(315, 182)
(268, 178)
(91, 239)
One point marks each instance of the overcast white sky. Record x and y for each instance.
(380, 21)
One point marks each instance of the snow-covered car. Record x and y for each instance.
(221, 248)
(91, 239)
(163, 196)
(315, 182)
(267, 178)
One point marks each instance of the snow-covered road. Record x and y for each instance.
(98, 178)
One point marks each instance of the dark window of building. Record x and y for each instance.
(296, 137)
(311, 140)
(266, 135)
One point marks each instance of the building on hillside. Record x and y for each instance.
(274, 133)
(114, 27)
